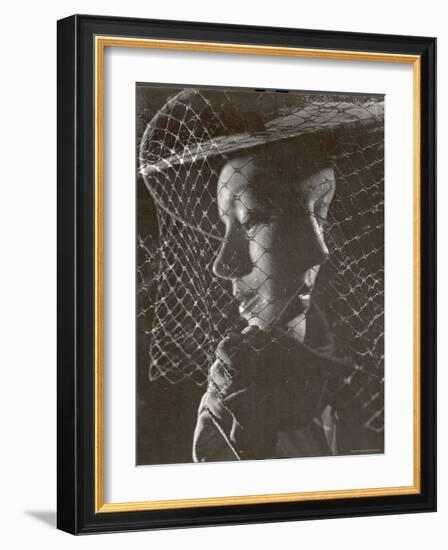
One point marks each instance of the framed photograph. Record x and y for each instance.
(246, 274)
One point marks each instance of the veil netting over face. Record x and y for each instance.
(183, 309)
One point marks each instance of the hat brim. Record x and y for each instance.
(322, 118)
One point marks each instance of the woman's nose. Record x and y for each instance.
(233, 260)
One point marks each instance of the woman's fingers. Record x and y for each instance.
(220, 378)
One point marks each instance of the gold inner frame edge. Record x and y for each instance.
(101, 42)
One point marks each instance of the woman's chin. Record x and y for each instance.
(280, 317)
(264, 320)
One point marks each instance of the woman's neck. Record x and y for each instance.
(296, 328)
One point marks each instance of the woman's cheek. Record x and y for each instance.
(261, 249)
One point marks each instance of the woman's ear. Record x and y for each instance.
(316, 193)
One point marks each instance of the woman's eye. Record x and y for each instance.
(252, 224)
(248, 226)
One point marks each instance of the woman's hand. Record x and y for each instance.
(259, 384)
(266, 382)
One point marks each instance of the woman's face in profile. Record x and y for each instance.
(273, 244)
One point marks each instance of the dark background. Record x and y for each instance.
(164, 423)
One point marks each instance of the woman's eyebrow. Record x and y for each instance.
(234, 199)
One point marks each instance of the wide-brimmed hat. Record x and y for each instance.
(195, 123)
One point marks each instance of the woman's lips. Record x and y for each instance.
(247, 309)
(252, 304)
(247, 302)
(246, 298)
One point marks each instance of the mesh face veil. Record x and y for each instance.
(185, 308)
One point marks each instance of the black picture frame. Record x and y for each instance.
(77, 511)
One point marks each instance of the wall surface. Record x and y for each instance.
(28, 274)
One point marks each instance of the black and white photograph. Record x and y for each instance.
(259, 274)
(222, 237)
